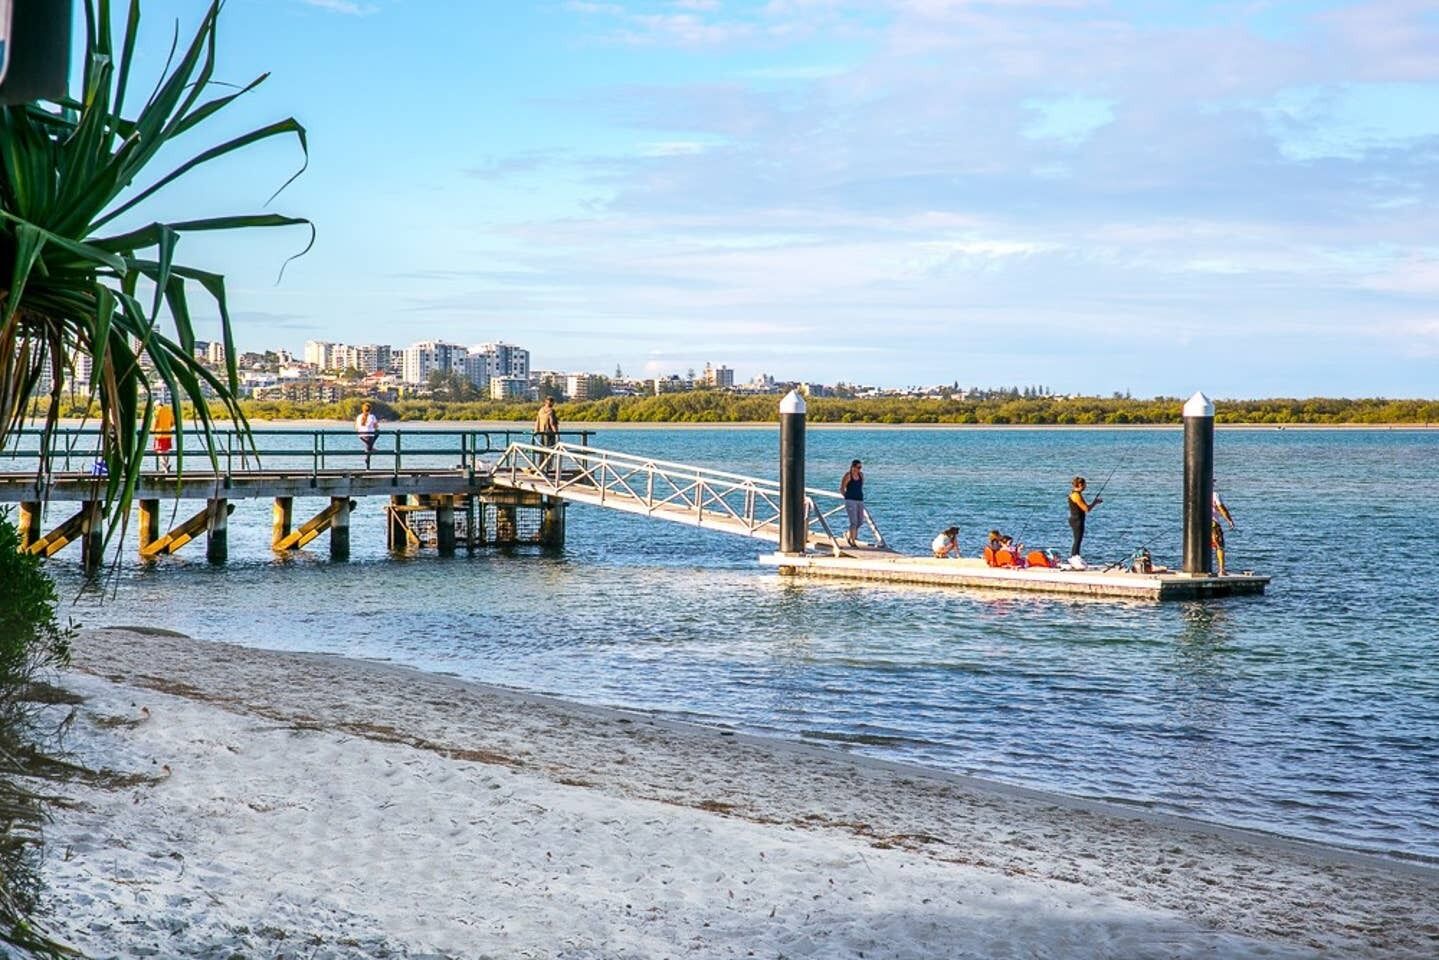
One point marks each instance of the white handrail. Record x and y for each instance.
(669, 464)
(698, 493)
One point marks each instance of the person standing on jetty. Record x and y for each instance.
(851, 486)
(1079, 509)
(547, 428)
(367, 428)
(547, 423)
(1216, 530)
(164, 432)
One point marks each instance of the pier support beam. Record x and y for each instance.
(149, 523)
(1198, 483)
(552, 523)
(473, 513)
(314, 526)
(792, 514)
(340, 528)
(57, 539)
(445, 525)
(30, 512)
(184, 533)
(282, 519)
(217, 531)
(398, 537)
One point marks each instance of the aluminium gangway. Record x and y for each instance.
(678, 492)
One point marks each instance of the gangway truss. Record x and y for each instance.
(678, 492)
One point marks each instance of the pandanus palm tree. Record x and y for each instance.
(74, 284)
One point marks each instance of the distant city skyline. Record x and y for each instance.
(1156, 197)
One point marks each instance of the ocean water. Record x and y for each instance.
(1311, 712)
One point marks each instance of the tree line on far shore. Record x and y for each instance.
(708, 406)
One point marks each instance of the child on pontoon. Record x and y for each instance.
(945, 543)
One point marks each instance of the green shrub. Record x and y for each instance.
(31, 638)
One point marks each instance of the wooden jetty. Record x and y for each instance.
(444, 489)
(448, 489)
(444, 475)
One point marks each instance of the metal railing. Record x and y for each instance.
(682, 492)
(74, 451)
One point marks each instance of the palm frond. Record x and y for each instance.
(68, 288)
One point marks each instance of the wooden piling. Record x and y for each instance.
(445, 525)
(340, 527)
(92, 536)
(283, 517)
(149, 523)
(395, 527)
(552, 523)
(217, 531)
(506, 524)
(30, 513)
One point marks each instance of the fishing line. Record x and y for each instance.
(1128, 452)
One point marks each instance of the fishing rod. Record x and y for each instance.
(1128, 452)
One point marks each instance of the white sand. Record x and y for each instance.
(310, 807)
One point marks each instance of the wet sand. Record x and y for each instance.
(296, 805)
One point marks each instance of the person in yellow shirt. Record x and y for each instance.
(163, 432)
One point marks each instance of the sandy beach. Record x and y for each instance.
(271, 804)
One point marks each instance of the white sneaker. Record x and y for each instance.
(1076, 562)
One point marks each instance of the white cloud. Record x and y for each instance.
(673, 148)
(347, 7)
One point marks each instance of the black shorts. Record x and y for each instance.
(1216, 535)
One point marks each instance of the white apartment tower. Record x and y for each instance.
(370, 358)
(317, 353)
(505, 359)
(429, 356)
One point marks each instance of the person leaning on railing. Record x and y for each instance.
(367, 428)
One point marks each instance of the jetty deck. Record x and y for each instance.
(966, 572)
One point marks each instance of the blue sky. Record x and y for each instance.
(1152, 196)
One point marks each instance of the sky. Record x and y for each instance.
(1154, 196)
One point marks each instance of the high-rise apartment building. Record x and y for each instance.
(477, 369)
(370, 358)
(433, 356)
(720, 377)
(317, 353)
(505, 359)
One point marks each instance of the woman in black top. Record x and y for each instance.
(851, 485)
(1079, 509)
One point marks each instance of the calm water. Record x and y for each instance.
(1312, 712)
